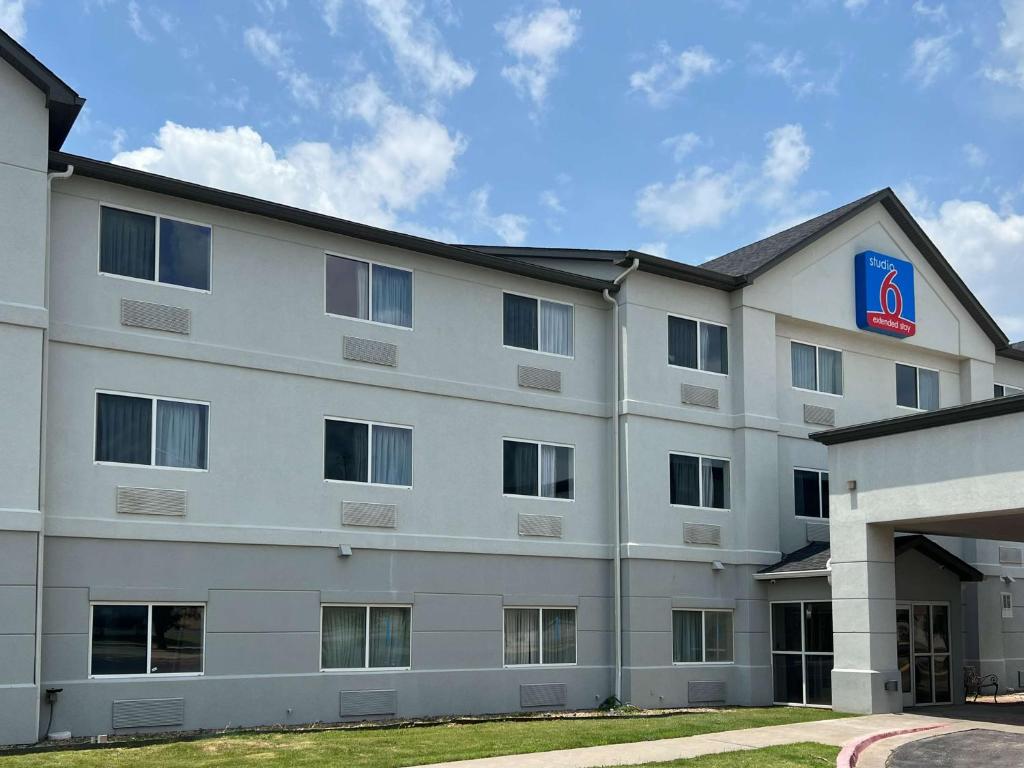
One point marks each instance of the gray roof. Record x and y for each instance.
(813, 557)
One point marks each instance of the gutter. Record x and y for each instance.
(792, 575)
(616, 480)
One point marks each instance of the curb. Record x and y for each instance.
(852, 750)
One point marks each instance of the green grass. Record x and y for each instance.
(804, 755)
(391, 748)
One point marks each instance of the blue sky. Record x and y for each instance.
(683, 128)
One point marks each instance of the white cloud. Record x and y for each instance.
(682, 145)
(789, 156)
(117, 140)
(550, 200)
(536, 41)
(931, 57)
(655, 248)
(855, 6)
(510, 227)
(136, 23)
(975, 155)
(269, 51)
(792, 69)
(417, 46)
(936, 13)
(330, 11)
(378, 180)
(1011, 46)
(12, 18)
(672, 73)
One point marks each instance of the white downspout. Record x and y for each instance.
(616, 501)
(41, 493)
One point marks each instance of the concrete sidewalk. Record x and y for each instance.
(834, 732)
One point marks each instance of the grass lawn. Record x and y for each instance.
(805, 755)
(391, 748)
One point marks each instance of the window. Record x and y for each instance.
(697, 344)
(540, 636)
(368, 291)
(819, 369)
(1005, 390)
(145, 246)
(146, 639)
(802, 653)
(361, 452)
(917, 387)
(1006, 600)
(700, 637)
(365, 636)
(698, 481)
(538, 469)
(810, 493)
(151, 431)
(538, 324)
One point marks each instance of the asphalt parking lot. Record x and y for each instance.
(978, 746)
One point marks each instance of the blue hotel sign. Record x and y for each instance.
(885, 294)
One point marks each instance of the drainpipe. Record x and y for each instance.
(41, 493)
(616, 501)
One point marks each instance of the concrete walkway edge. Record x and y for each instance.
(852, 749)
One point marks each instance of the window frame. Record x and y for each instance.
(369, 450)
(918, 368)
(1006, 604)
(821, 497)
(366, 632)
(700, 353)
(700, 480)
(803, 653)
(152, 430)
(369, 299)
(539, 299)
(703, 638)
(817, 367)
(540, 469)
(156, 247)
(540, 635)
(1004, 387)
(149, 638)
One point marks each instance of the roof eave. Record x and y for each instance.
(656, 265)
(815, 574)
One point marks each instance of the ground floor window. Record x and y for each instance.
(802, 653)
(146, 639)
(540, 636)
(701, 637)
(365, 636)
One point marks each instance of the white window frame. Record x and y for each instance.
(540, 635)
(817, 367)
(156, 247)
(802, 653)
(704, 638)
(1006, 604)
(821, 498)
(1005, 387)
(540, 469)
(152, 430)
(700, 352)
(366, 632)
(700, 480)
(149, 638)
(539, 299)
(369, 299)
(919, 368)
(369, 450)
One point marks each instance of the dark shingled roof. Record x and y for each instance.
(813, 557)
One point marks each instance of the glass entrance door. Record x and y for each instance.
(903, 656)
(923, 653)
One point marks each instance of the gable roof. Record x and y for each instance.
(62, 103)
(812, 559)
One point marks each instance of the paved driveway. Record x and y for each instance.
(976, 747)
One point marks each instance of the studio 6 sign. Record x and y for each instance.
(885, 294)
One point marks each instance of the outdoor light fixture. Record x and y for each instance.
(851, 485)
(344, 550)
(716, 565)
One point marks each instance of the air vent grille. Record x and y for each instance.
(369, 514)
(705, 692)
(540, 378)
(1010, 556)
(361, 703)
(819, 414)
(151, 501)
(156, 317)
(543, 695)
(369, 351)
(148, 713)
(706, 397)
(540, 525)
(818, 532)
(702, 533)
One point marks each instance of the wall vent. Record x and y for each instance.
(705, 692)
(543, 695)
(1010, 556)
(369, 351)
(156, 317)
(540, 378)
(151, 501)
(818, 532)
(703, 396)
(540, 525)
(368, 514)
(819, 414)
(702, 533)
(148, 713)
(361, 703)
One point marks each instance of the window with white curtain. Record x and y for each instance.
(540, 636)
(365, 636)
(151, 431)
(819, 369)
(1005, 390)
(367, 452)
(146, 639)
(917, 387)
(698, 481)
(538, 324)
(145, 246)
(368, 291)
(698, 344)
(702, 637)
(810, 493)
(538, 469)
